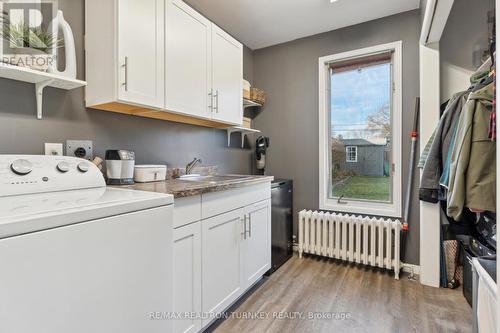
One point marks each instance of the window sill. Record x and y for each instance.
(362, 207)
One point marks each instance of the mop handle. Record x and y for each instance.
(414, 139)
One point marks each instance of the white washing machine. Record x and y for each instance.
(76, 256)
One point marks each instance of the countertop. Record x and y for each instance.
(184, 188)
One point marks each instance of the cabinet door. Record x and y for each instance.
(221, 282)
(187, 61)
(187, 277)
(256, 248)
(141, 52)
(227, 81)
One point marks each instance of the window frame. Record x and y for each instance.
(347, 159)
(365, 207)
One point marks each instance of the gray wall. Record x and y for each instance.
(289, 75)
(65, 117)
(248, 64)
(465, 29)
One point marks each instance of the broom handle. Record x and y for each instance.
(406, 217)
(414, 139)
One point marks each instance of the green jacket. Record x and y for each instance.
(473, 161)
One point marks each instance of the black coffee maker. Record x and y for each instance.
(261, 146)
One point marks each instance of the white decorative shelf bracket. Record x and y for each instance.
(41, 80)
(244, 132)
(39, 87)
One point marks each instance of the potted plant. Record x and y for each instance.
(29, 47)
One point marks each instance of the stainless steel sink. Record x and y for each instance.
(211, 178)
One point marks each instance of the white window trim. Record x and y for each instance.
(367, 207)
(355, 160)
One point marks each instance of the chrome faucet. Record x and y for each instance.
(190, 166)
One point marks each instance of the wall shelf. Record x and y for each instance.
(251, 109)
(244, 132)
(250, 104)
(40, 79)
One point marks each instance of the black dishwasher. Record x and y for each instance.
(281, 223)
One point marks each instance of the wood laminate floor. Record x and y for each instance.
(369, 300)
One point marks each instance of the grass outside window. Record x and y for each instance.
(364, 188)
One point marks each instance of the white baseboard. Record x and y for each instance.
(409, 268)
(406, 268)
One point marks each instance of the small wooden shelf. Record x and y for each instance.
(40, 79)
(247, 103)
(251, 109)
(244, 132)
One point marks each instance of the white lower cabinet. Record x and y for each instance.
(187, 278)
(236, 254)
(221, 279)
(256, 246)
(220, 256)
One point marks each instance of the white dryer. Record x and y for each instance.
(76, 256)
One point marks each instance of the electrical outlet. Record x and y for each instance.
(54, 149)
(80, 148)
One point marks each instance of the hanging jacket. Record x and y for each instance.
(472, 178)
(444, 181)
(479, 81)
(425, 152)
(438, 151)
(427, 148)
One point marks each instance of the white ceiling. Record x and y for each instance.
(261, 23)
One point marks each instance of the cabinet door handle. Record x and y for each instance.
(125, 67)
(244, 233)
(211, 105)
(249, 226)
(216, 106)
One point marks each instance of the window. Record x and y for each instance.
(351, 154)
(360, 131)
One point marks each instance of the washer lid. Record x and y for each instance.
(35, 212)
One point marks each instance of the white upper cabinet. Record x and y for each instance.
(141, 52)
(204, 67)
(227, 77)
(161, 59)
(187, 61)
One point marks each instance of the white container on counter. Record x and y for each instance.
(150, 173)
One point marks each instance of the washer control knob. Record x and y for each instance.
(21, 167)
(63, 167)
(83, 167)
